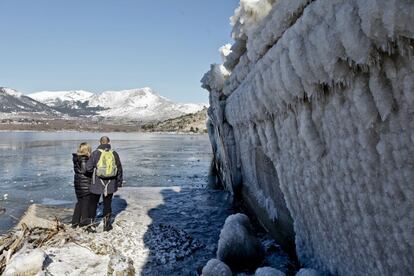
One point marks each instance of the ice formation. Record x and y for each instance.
(313, 124)
(237, 246)
(247, 16)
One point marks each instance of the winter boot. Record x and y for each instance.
(107, 223)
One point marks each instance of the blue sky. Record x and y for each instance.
(99, 45)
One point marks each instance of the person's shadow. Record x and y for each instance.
(184, 231)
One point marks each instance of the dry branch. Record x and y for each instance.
(35, 237)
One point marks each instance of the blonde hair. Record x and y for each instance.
(84, 149)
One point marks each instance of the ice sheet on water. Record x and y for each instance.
(52, 201)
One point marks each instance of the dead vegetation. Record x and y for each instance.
(33, 238)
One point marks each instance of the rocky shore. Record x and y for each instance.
(156, 231)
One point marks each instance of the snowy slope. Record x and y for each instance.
(137, 104)
(12, 101)
(53, 97)
(74, 103)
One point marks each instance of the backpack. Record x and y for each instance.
(106, 167)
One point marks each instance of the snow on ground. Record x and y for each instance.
(161, 231)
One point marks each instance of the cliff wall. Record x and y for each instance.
(311, 120)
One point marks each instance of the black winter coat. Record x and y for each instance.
(113, 183)
(82, 178)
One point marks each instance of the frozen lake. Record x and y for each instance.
(36, 167)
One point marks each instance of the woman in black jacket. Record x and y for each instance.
(82, 180)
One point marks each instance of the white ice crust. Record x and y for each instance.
(325, 90)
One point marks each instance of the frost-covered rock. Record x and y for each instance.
(247, 16)
(316, 117)
(216, 77)
(216, 267)
(237, 246)
(308, 272)
(268, 271)
(225, 51)
(26, 263)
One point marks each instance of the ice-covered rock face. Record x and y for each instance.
(320, 99)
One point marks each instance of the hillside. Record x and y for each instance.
(195, 122)
(13, 102)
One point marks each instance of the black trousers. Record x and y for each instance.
(82, 215)
(107, 204)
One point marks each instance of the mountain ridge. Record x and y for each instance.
(13, 102)
(139, 104)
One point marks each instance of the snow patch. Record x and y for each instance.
(11, 92)
(26, 263)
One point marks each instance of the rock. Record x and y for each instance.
(26, 263)
(237, 246)
(268, 271)
(120, 266)
(308, 272)
(216, 267)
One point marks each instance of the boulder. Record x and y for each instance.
(238, 247)
(216, 267)
(268, 271)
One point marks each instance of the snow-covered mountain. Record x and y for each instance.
(136, 104)
(74, 103)
(15, 102)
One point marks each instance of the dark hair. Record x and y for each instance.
(104, 140)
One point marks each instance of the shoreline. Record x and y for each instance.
(91, 131)
(141, 216)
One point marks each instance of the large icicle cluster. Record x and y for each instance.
(312, 120)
